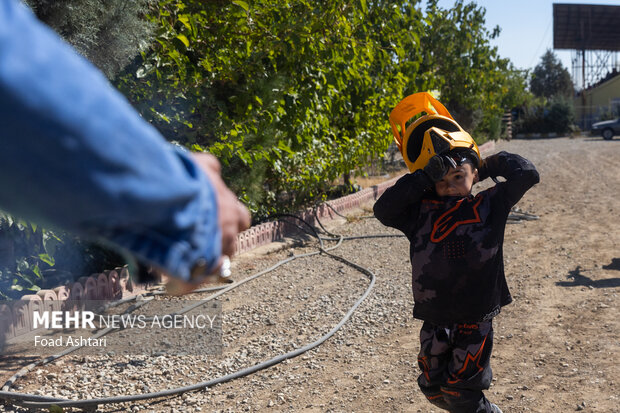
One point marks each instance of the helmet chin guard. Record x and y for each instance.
(436, 132)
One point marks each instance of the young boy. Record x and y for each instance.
(457, 265)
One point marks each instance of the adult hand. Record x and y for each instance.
(233, 216)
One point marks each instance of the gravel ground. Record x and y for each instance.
(556, 348)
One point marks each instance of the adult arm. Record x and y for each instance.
(74, 154)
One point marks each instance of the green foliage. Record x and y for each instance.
(552, 110)
(475, 84)
(32, 258)
(561, 114)
(290, 96)
(550, 78)
(494, 129)
(556, 115)
(109, 33)
(26, 251)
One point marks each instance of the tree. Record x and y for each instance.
(291, 96)
(475, 83)
(551, 109)
(288, 95)
(109, 33)
(550, 78)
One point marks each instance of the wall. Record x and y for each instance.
(594, 102)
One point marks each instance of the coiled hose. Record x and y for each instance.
(36, 401)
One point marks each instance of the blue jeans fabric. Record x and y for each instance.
(74, 154)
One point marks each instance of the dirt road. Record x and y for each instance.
(557, 347)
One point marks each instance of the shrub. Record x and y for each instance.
(556, 115)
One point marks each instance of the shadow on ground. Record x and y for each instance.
(615, 265)
(578, 279)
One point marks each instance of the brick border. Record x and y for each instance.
(115, 284)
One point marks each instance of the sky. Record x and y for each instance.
(526, 27)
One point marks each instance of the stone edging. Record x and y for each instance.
(16, 316)
(535, 135)
(115, 284)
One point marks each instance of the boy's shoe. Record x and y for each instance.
(495, 409)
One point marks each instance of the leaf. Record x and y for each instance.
(23, 265)
(308, 76)
(54, 408)
(141, 72)
(51, 242)
(161, 115)
(184, 18)
(46, 258)
(183, 39)
(364, 6)
(242, 4)
(284, 147)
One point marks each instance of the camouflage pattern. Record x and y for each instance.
(458, 280)
(457, 242)
(455, 365)
(456, 259)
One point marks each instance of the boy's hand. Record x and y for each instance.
(483, 171)
(438, 166)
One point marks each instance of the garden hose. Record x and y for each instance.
(36, 401)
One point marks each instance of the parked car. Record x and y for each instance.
(607, 129)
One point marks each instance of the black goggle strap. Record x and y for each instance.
(456, 159)
(451, 162)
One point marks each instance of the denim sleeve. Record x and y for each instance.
(74, 154)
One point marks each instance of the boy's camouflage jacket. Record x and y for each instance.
(457, 243)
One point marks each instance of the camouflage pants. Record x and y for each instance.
(455, 365)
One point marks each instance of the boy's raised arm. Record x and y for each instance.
(400, 202)
(520, 174)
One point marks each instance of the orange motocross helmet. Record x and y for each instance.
(436, 132)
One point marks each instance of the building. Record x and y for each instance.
(593, 33)
(598, 102)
